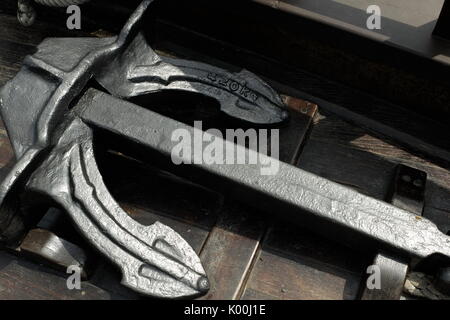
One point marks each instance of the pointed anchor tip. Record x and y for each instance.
(203, 285)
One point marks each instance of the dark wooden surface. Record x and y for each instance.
(245, 256)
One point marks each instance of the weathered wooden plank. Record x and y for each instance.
(23, 280)
(230, 249)
(331, 152)
(11, 30)
(12, 54)
(6, 74)
(108, 278)
(294, 264)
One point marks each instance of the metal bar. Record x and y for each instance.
(291, 193)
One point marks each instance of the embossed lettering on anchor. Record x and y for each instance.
(233, 86)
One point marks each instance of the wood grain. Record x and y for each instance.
(23, 280)
(295, 264)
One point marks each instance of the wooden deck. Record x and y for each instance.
(245, 256)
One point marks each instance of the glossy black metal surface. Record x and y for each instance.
(58, 166)
(296, 195)
(52, 121)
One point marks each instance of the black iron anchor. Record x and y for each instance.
(56, 164)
